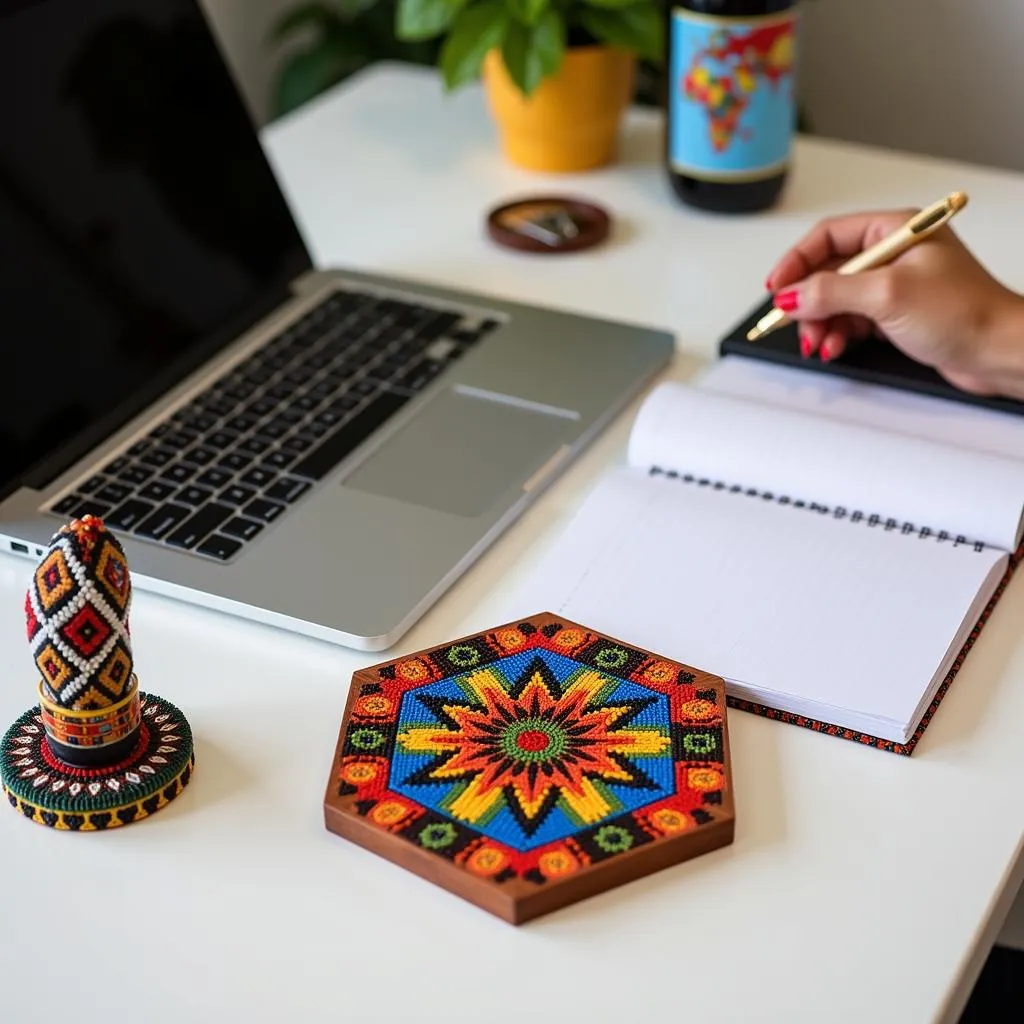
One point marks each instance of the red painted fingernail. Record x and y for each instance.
(787, 301)
(805, 346)
(826, 352)
(768, 284)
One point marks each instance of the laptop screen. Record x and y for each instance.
(140, 225)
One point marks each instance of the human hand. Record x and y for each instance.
(935, 302)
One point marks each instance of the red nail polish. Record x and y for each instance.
(787, 301)
(805, 346)
(826, 352)
(767, 284)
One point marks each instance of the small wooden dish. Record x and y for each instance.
(548, 224)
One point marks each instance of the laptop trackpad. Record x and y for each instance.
(462, 453)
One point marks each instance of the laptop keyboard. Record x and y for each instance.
(238, 456)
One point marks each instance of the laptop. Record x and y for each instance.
(326, 451)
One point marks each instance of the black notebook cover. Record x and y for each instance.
(873, 360)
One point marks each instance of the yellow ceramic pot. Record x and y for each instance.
(571, 122)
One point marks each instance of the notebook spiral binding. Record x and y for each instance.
(836, 512)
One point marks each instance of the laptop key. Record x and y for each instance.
(268, 511)
(235, 461)
(315, 430)
(138, 448)
(113, 492)
(257, 476)
(162, 521)
(157, 457)
(324, 389)
(319, 462)
(115, 467)
(219, 546)
(92, 507)
(179, 439)
(237, 495)
(297, 443)
(94, 483)
(213, 408)
(221, 439)
(261, 407)
(135, 474)
(239, 392)
(193, 495)
(306, 403)
(179, 472)
(129, 514)
(244, 529)
(419, 375)
(241, 423)
(205, 521)
(213, 477)
(67, 503)
(280, 392)
(318, 360)
(274, 429)
(200, 456)
(157, 490)
(254, 445)
(281, 458)
(287, 490)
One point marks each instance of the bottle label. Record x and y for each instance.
(732, 102)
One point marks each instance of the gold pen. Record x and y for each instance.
(917, 229)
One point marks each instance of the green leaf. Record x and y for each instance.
(530, 54)
(528, 11)
(476, 30)
(549, 41)
(315, 16)
(638, 28)
(615, 4)
(307, 74)
(424, 19)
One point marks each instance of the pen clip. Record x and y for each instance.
(935, 216)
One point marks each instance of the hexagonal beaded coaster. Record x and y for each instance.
(533, 765)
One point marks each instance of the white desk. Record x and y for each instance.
(860, 886)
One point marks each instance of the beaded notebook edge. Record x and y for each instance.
(533, 765)
(866, 739)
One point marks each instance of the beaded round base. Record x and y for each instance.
(533, 765)
(52, 793)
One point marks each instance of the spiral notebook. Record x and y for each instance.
(830, 548)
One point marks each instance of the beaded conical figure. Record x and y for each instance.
(95, 752)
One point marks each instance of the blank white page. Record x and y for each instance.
(841, 621)
(958, 424)
(754, 444)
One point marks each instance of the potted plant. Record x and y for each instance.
(558, 74)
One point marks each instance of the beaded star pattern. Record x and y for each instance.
(532, 754)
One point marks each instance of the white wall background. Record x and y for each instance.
(944, 77)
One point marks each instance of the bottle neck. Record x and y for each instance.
(736, 8)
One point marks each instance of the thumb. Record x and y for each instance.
(827, 294)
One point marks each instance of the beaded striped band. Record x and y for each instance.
(97, 732)
(91, 735)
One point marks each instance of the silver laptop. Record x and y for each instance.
(325, 452)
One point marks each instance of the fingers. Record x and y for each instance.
(829, 338)
(836, 238)
(872, 294)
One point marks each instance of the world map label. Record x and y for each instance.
(732, 101)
